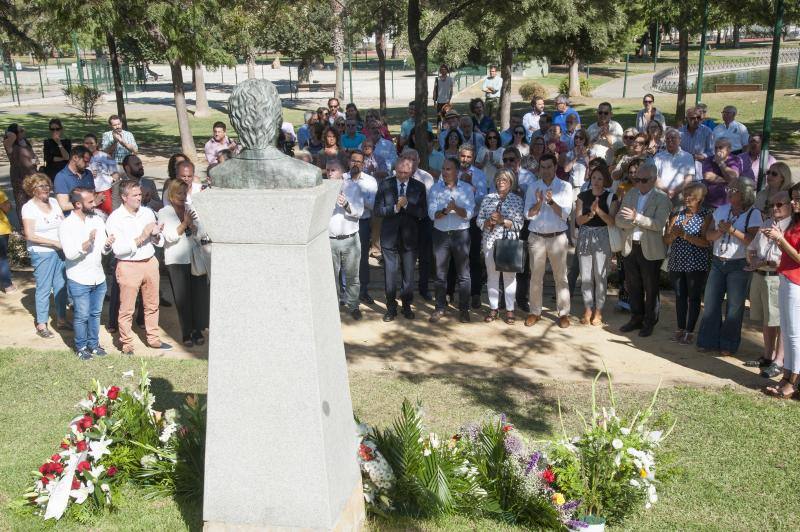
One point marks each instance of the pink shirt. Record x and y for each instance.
(212, 148)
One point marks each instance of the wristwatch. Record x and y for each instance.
(550, 202)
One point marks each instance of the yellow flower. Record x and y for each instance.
(558, 499)
(642, 473)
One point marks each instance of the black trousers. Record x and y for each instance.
(191, 295)
(364, 233)
(398, 259)
(524, 278)
(688, 297)
(455, 244)
(425, 252)
(642, 278)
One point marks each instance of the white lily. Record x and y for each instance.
(654, 436)
(96, 471)
(85, 404)
(98, 449)
(616, 443)
(625, 431)
(434, 440)
(79, 494)
(127, 374)
(426, 452)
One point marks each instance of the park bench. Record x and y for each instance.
(738, 87)
(315, 87)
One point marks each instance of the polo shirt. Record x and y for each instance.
(67, 180)
(672, 169)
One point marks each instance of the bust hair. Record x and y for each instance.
(172, 164)
(512, 150)
(747, 188)
(75, 194)
(549, 157)
(334, 163)
(696, 187)
(255, 112)
(174, 188)
(723, 142)
(112, 118)
(630, 132)
(55, 122)
(786, 173)
(466, 147)
(184, 164)
(35, 180)
(508, 175)
(670, 131)
(78, 151)
(220, 125)
(128, 185)
(90, 136)
(648, 168)
(303, 155)
(562, 98)
(603, 169)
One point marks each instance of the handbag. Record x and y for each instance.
(200, 258)
(615, 239)
(510, 253)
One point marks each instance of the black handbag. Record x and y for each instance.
(510, 254)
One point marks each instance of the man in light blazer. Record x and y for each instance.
(401, 203)
(642, 217)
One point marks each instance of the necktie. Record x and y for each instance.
(402, 189)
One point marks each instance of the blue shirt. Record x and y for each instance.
(439, 198)
(354, 142)
(561, 118)
(408, 126)
(303, 136)
(66, 180)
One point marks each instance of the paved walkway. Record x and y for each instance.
(638, 86)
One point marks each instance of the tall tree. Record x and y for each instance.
(337, 43)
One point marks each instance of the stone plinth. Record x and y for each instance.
(280, 443)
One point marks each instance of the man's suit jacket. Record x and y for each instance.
(406, 222)
(651, 221)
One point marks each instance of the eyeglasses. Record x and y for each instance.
(773, 173)
(640, 180)
(509, 159)
(648, 101)
(779, 205)
(43, 187)
(731, 190)
(629, 138)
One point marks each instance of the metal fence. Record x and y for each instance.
(467, 75)
(667, 80)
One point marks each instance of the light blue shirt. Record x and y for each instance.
(495, 83)
(479, 185)
(408, 126)
(354, 142)
(440, 197)
(702, 141)
(369, 189)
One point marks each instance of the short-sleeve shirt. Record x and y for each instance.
(46, 224)
(5, 225)
(788, 267)
(66, 180)
(120, 152)
(716, 195)
(728, 246)
(673, 169)
(587, 197)
(495, 83)
(685, 256)
(352, 143)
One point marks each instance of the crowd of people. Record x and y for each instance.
(647, 199)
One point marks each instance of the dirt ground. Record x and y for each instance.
(537, 354)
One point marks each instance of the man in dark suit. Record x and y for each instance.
(401, 203)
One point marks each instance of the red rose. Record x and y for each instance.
(45, 481)
(44, 469)
(548, 476)
(56, 468)
(100, 411)
(113, 392)
(508, 427)
(111, 471)
(56, 458)
(83, 466)
(76, 484)
(365, 453)
(64, 445)
(81, 446)
(84, 423)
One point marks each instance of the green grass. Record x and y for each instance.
(734, 456)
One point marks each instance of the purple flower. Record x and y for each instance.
(470, 431)
(513, 445)
(502, 418)
(574, 523)
(532, 462)
(571, 505)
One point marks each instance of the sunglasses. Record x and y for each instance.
(773, 173)
(640, 180)
(629, 138)
(602, 112)
(648, 101)
(779, 205)
(509, 159)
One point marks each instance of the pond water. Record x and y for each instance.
(785, 79)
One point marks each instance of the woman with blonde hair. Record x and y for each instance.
(500, 212)
(182, 236)
(778, 177)
(41, 218)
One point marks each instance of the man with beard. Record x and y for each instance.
(76, 174)
(134, 170)
(84, 242)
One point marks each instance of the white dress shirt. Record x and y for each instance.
(525, 179)
(735, 132)
(83, 267)
(479, 185)
(531, 123)
(369, 188)
(640, 205)
(673, 169)
(464, 196)
(425, 178)
(345, 221)
(546, 220)
(128, 226)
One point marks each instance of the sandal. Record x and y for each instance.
(491, 316)
(677, 336)
(773, 370)
(774, 390)
(759, 363)
(597, 321)
(510, 319)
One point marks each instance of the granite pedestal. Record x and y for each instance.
(280, 443)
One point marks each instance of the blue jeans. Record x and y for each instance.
(88, 305)
(5, 270)
(48, 271)
(724, 278)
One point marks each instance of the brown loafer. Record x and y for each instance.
(563, 322)
(509, 319)
(531, 320)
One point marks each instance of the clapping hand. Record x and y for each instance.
(90, 241)
(188, 219)
(595, 206)
(548, 197)
(402, 201)
(628, 213)
(340, 199)
(110, 240)
(495, 217)
(678, 230)
(156, 230)
(774, 232)
(724, 226)
(451, 206)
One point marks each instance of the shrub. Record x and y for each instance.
(83, 98)
(563, 88)
(529, 89)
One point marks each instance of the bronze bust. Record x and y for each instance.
(256, 115)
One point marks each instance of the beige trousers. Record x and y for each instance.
(539, 251)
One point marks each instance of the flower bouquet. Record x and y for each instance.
(611, 467)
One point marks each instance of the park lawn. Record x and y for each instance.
(734, 457)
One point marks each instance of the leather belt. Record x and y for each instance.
(765, 273)
(548, 235)
(343, 237)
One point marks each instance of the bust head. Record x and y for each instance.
(255, 111)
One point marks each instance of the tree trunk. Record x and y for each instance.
(119, 93)
(506, 61)
(380, 49)
(250, 59)
(337, 6)
(683, 69)
(304, 70)
(574, 77)
(394, 47)
(187, 141)
(200, 99)
(736, 31)
(719, 37)
(419, 51)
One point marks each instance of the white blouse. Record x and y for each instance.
(46, 224)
